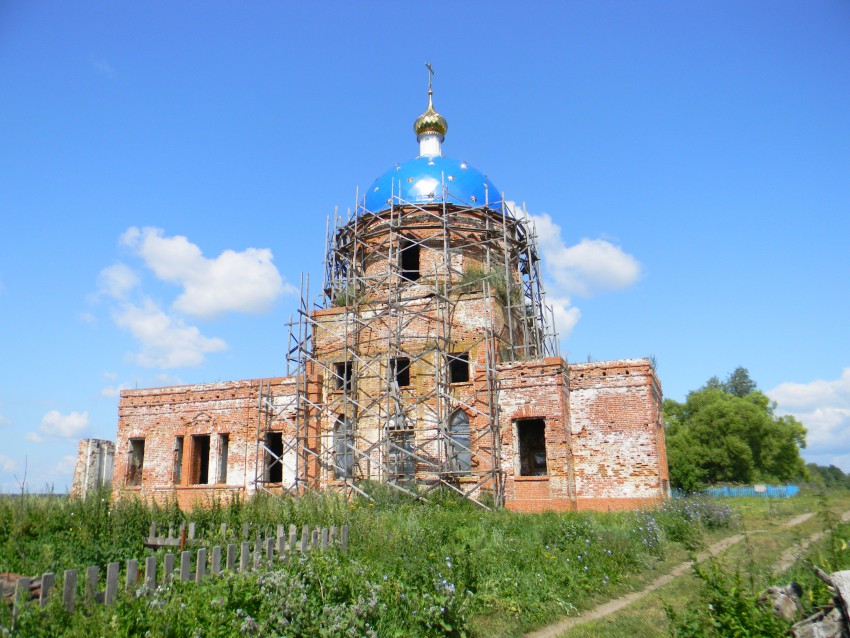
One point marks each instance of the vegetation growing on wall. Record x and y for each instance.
(477, 275)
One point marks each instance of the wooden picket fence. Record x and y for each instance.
(231, 557)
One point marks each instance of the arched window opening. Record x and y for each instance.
(460, 455)
(400, 460)
(343, 448)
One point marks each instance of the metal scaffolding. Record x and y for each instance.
(397, 359)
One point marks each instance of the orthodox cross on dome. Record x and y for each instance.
(430, 127)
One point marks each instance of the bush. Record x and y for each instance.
(727, 607)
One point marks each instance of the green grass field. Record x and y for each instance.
(414, 569)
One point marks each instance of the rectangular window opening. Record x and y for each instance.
(274, 452)
(342, 375)
(178, 460)
(224, 449)
(531, 435)
(201, 459)
(136, 462)
(458, 367)
(401, 371)
(409, 259)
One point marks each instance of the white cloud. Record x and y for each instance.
(117, 281)
(64, 466)
(4, 421)
(66, 426)
(244, 281)
(163, 379)
(35, 437)
(587, 268)
(566, 316)
(7, 464)
(113, 390)
(167, 342)
(87, 317)
(823, 407)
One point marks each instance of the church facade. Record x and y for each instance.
(429, 361)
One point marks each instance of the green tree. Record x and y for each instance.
(828, 476)
(717, 436)
(739, 383)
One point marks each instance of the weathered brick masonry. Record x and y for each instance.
(202, 416)
(618, 433)
(604, 440)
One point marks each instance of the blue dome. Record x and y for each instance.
(432, 180)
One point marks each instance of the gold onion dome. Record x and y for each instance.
(430, 121)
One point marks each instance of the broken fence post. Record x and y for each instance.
(168, 564)
(111, 583)
(324, 539)
(132, 574)
(91, 581)
(22, 595)
(216, 560)
(150, 573)
(69, 589)
(231, 557)
(293, 537)
(201, 565)
(46, 586)
(191, 531)
(244, 556)
(258, 553)
(185, 565)
(305, 538)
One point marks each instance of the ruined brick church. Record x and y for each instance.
(428, 361)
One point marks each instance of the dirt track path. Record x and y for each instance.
(612, 606)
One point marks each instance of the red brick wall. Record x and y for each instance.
(159, 415)
(536, 390)
(618, 437)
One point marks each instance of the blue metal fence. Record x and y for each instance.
(773, 491)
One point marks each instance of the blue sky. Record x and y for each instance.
(166, 171)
